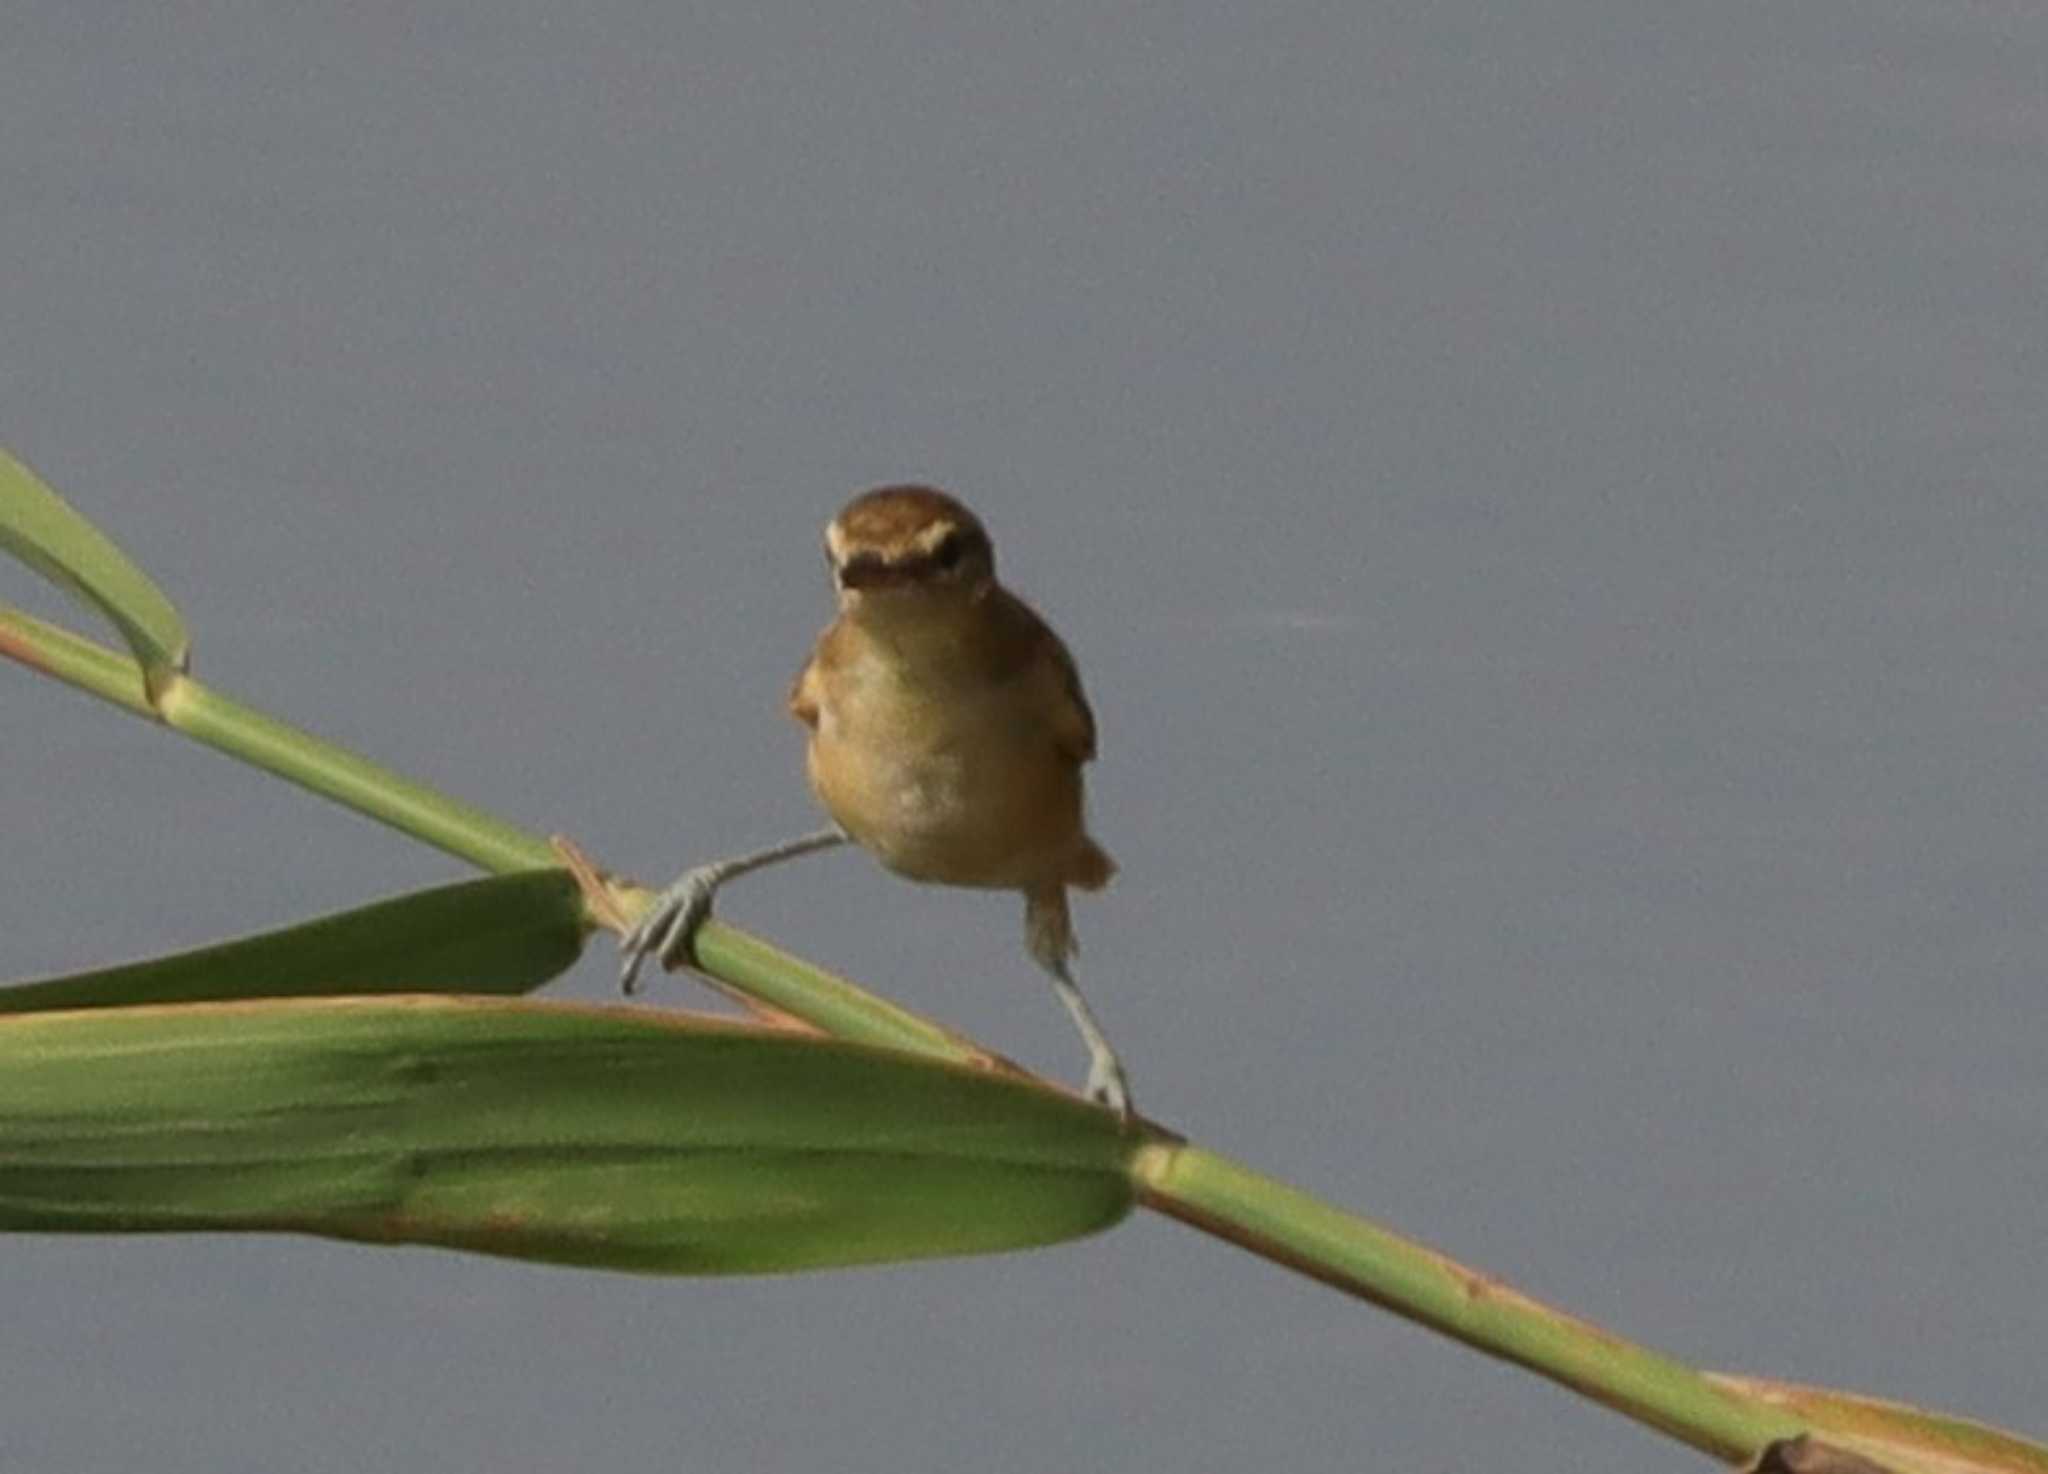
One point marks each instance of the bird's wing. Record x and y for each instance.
(1051, 670)
(803, 691)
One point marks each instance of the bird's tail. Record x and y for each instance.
(1091, 867)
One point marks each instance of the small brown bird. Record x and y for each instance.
(947, 734)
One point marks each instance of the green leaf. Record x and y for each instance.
(506, 934)
(620, 1138)
(41, 529)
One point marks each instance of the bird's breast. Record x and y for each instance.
(955, 781)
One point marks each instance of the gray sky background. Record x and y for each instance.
(1549, 504)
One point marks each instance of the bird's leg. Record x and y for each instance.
(664, 930)
(1106, 1080)
(1049, 937)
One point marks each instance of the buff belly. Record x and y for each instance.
(974, 797)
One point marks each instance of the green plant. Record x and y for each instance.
(379, 1075)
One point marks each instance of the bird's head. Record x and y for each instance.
(906, 546)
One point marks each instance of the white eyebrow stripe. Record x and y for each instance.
(932, 534)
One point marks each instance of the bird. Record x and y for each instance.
(947, 731)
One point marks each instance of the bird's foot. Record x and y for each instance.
(1107, 1085)
(664, 931)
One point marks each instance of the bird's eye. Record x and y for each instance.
(949, 551)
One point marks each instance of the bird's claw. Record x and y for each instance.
(664, 932)
(1108, 1087)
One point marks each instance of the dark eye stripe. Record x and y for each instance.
(869, 569)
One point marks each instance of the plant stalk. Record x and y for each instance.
(1183, 1181)
(1281, 1223)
